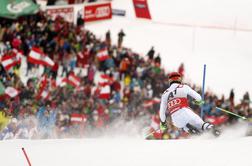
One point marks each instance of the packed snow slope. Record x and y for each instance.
(128, 148)
(212, 32)
(128, 152)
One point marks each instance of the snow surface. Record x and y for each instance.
(212, 32)
(120, 149)
(128, 152)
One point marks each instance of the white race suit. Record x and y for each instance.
(174, 100)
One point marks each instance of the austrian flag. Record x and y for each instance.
(105, 80)
(10, 60)
(43, 92)
(102, 54)
(74, 80)
(37, 56)
(11, 92)
(150, 103)
(78, 118)
(105, 92)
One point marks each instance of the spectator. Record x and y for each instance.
(151, 53)
(231, 99)
(121, 34)
(108, 38)
(157, 60)
(80, 20)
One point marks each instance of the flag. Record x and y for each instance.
(11, 92)
(78, 118)
(43, 92)
(10, 60)
(149, 103)
(102, 54)
(104, 80)
(62, 82)
(37, 56)
(216, 120)
(53, 83)
(105, 92)
(79, 88)
(73, 80)
(80, 54)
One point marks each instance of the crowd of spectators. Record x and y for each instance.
(135, 84)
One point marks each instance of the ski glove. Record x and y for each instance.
(199, 102)
(163, 126)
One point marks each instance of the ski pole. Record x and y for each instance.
(244, 118)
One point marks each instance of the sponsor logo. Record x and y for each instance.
(174, 103)
(140, 5)
(18, 7)
(102, 11)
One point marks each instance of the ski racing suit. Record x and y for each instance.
(174, 99)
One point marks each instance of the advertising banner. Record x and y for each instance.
(141, 9)
(97, 12)
(16, 8)
(66, 12)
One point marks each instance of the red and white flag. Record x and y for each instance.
(104, 80)
(37, 56)
(80, 54)
(149, 103)
(44, 94)
(11, 92)
(63, 82)
(43, 91)
(78, 118)
(105, 92)
(102, 54)
(74, 80)
(11, 59)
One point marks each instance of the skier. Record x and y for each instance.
(174, 99)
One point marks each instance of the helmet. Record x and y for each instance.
(175, 77)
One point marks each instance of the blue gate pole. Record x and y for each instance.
(203, 91)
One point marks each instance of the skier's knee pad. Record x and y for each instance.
(207, 126)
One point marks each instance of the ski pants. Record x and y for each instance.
(184, 116)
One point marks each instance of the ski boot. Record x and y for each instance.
(210, 127)
(192, 130)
